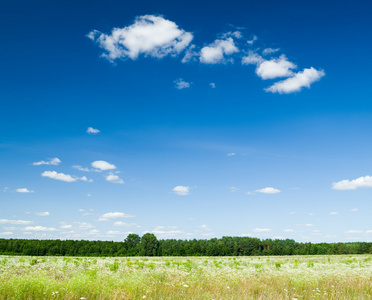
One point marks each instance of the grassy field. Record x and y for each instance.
(284, 277)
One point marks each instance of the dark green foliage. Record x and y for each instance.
(133, 245)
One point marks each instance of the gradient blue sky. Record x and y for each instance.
(202, 147)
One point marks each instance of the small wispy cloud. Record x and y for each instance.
(261, 230)
(231, 154)
(212, 85)
(114, 179)
(24, 190)
(80, 168)
(181, 190)
(233, 189)
(354, 209)
(92, 130)
(53, 161)
(333, 213)
(64, 177)
(15, 222)
(43, 214)
(40, 228)
(268, 190)
(114, 215)
(181, 84)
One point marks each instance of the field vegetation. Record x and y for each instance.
(255, 277)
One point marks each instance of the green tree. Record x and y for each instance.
(149, 245)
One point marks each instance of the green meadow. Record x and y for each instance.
(249, 277)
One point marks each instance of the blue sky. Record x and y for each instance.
(247, 118)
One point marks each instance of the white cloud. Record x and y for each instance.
(215, 52)
(233, 189)
(92, 130)
(53, 161)
(114, 215)
(103, 165)
(361, 182)
(190, 54)
(354, 231)
(333, 213)
(80, 168)
(149, 35)
(6, 233)
(63, 177)
(245, 234)
(24, 190)
(288, 230)
(5, 189)
(15, 222)
(114, 178)
(204, 227)
(112, 232)
(94, 232)
(274, 68)
(297, 82)
(369, 231)
(43, 214)
(354, 209)
(181, 190)
(58, 176)
(181, 84)
(40, 228)
(261, 230)
(84, 178)
(270, 51)
(250, 42)
(268, 190)
(252, 59)
(308, 225)
(212, 85)
(66, 226)
(119, 223)
(231, 154)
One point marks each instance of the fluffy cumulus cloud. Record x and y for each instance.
(181, 190)
(103, 165)
(361, 182)
(63, 177)
(150, 35)
(24, 190)
(181, 84)
(114, 215)
(274, 68)
(269, 69)
(92, 130)
(114, 178)
(268, 190)
(53, 161)
(297, 82)
(217, 51)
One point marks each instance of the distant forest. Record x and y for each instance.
(149, 245)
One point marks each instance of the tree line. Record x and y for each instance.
(149, 245)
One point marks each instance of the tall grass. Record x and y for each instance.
(312, 277)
